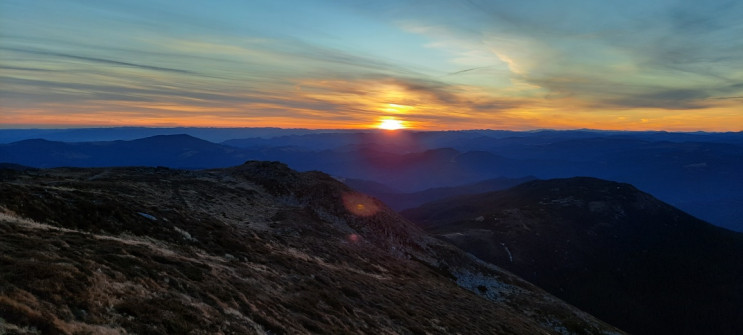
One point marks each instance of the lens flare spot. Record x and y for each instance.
(353, 238)
(360, 204)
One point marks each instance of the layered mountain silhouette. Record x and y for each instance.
(252, 249)
(696, 172)
(605, 247)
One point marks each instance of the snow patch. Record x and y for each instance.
(510, 257)
(185, 234)
(148, 216)
(485, 286)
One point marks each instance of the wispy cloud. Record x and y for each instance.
(97, 60)
(664, 54)
(537, 64)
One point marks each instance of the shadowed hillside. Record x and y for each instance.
(607, 248)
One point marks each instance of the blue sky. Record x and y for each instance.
(672, 65)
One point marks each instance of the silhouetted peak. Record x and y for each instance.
(275, 177)
(37, 142)
(171, 139)
(584, 187)
(15, 167)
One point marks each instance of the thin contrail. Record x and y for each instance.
(467, 70)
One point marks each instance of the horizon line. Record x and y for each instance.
(84, 127)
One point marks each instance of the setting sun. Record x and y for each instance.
(390, 124)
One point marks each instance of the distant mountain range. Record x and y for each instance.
(697, 172)
(605, 247)
(179, 151)
(133, 133)
(252, 249)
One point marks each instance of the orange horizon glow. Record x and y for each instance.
(366, 104)
(679, 123)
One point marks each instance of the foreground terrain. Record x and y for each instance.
(257, 248)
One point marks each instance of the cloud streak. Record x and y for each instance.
(97, 60)
(649, 52)
(474, 64)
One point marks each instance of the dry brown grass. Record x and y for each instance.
(269, 256)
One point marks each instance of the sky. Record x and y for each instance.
(429, 64)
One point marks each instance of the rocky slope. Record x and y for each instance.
(257, 248)
(606, 247)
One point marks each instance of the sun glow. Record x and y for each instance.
(390, 124)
